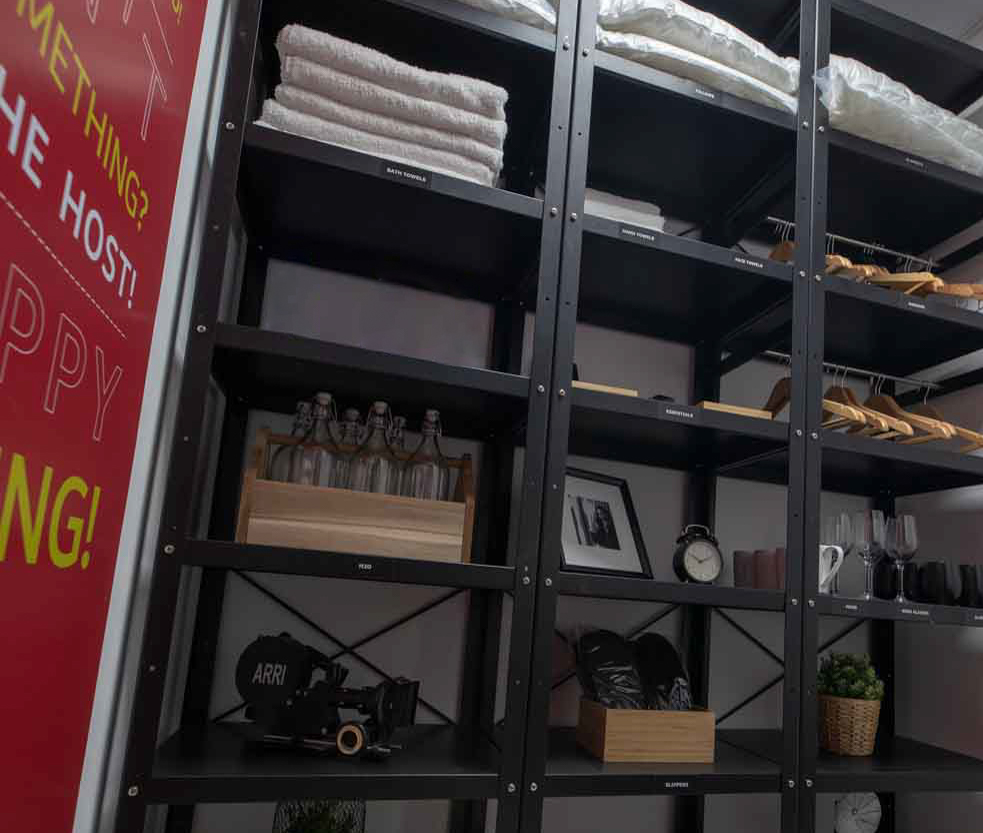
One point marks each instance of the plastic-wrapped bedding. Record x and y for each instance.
(872, 105)
(538, 13)
(681, 25)
(685, 64)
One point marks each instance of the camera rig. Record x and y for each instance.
(276, 677)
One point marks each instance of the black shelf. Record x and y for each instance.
(570, 771)
(927, 614)
(671, 287)
(451, 236)
(227, 555)
(216, 764)
(862, 466)
(270, 370)
(900, 765)
(673, 436)
(639, 589)
(870, 195)
(657, 137)
(863, 324)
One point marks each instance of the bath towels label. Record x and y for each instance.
(638, 234)
(404, 173)
(94, 99)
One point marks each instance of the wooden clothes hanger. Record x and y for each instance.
(881, 426)
(931, 429)
(835, 414)
(974, 438)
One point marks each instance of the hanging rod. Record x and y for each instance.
(856, 371)
(838, 238)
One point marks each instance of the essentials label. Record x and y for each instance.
(404, 173)
(638, 234)
(680, 413)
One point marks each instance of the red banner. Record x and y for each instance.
(94, 98)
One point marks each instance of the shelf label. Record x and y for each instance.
(916, 611)
(745, 261)
(680, 413)
(404, 173)
(915, 305)
(707, 94)
(976, 618)
(915, 162)
(677, 785)
(851, 608)
(641, 235)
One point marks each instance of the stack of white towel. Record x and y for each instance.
(341, 92)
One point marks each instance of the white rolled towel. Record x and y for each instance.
(277, 116)
(304, 101)
(471, 94)
(375, 98)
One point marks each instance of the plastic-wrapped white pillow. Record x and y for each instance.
(678, 24)
(874, 106)
(684, 64)
(538, 13)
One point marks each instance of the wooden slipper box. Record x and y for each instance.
(646, 736)
(359, 523)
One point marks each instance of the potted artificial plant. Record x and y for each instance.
(850, 695)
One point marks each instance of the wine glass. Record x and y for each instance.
(901, 544)
(839, 533)
(868, 531)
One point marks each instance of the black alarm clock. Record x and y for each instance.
(697, 557)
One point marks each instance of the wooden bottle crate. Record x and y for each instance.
(360, 523)
(646, 736)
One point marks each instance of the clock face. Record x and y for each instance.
(702, 562)
(858, 813)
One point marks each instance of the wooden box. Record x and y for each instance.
(340, 520)
(644, 736)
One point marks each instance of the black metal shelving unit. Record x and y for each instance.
(577, 118)
(297, 200)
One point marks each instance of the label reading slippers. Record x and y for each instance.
(404, 173)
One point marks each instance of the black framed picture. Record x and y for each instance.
(600, 528)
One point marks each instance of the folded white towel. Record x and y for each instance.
(366, 95)
(624, 210)
(456, 90)
(304, 101)
(538, 13)
(277, 116)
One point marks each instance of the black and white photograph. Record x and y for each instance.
(600, 529)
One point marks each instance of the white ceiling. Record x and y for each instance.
(962, 19)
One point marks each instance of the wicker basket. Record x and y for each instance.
(848, 727)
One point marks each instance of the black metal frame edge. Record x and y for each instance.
(611, 587)
(485, 22)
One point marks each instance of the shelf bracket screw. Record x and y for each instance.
(812, 602)
(819, 278)
(808, 782)
(168, 549)
(566, 43)
(549, 582)
(152, 669)
(562, 392)
(573, 217)
(822, 129)
(133, 792)
(230, 125)
(525, 579)
(814, 435)
(802, 273)
(554, 211)
(798, 432)
(795, 602)
(201, 328)
(805, 125)
(791, 784)
(585, 52)
(511, 787)
(540, 388)
(533, 787)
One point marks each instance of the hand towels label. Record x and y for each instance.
(405, 173)
(640, 235)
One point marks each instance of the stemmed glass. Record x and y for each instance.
(901, 544)
(868, 542)
(838, 531)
